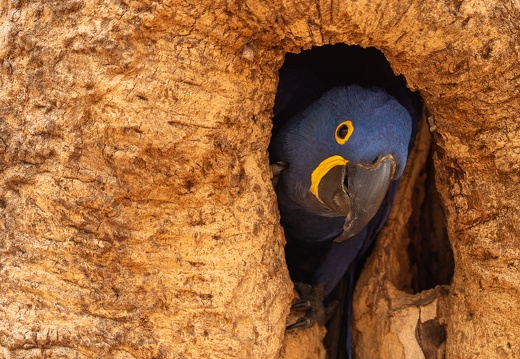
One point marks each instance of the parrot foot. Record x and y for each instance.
(311, 301)
(277, 168)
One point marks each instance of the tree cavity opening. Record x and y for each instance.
(429, 252)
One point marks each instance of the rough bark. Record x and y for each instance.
(137, 214)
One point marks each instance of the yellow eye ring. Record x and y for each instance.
(344, 131)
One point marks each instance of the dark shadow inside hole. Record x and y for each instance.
(430, 252)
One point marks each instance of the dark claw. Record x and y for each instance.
(311, 301)
(302, 305)
(302, 323)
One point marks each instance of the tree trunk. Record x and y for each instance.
(139, 217)
(137, 213)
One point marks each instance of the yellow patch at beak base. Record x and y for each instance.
(323, 168)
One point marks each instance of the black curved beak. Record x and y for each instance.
(356, 191)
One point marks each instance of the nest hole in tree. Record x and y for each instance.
(429, 250)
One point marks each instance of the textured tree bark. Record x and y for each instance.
(137, 214)
(138, 217)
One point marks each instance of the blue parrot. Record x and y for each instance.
(337, 163)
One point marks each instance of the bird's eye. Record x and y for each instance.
(344, 131)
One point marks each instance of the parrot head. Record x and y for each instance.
(342, 153)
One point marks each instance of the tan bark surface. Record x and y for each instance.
(138, 217)
(136, 209)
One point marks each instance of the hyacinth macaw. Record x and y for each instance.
(337, 163)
